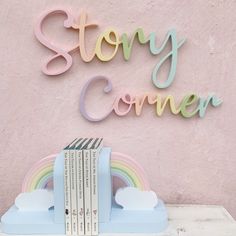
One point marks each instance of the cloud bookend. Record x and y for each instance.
(134, 209)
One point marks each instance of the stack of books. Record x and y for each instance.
(81, 186)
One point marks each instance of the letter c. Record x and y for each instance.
(82, 108)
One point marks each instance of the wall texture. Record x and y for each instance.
(187, 160)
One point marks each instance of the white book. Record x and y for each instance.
(73, 179)
(80, 186)
(67, 190)
(87, 187)
(95, 150)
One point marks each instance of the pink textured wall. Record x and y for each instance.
(188, 161)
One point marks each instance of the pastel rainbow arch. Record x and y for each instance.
(129, 170)
(122, 166)
(40, 175)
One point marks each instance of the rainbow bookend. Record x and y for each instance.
(133, 209)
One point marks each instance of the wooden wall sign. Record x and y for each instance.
(190, 105)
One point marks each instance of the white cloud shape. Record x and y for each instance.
(38, 200)
(131, 198)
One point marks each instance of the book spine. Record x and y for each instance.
(67, 194)
(80, 191)
(74, 211)
(87, 192)
(94, 190)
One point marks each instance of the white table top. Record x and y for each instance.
(195, 220)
